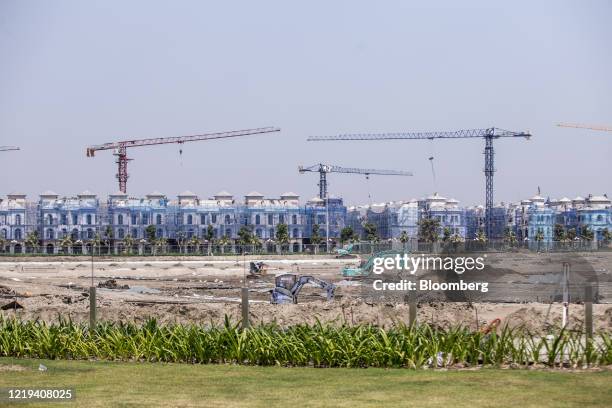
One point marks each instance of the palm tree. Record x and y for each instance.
(66, 243)
(559, 233)
(32, 241)
(181, 240)
(108, 237)
(539, 237)
(587, 233)
(370, 231)
(481, 237)
(510, 237)
(315, 238)
(606, 235)
(209, 237)
(2, 244)
(282, 235)
(194, 242)
(571, 234)
(159, 243)
(225, 240)
(129, 243)
(446, 234)
(428, 229)
(96, 242)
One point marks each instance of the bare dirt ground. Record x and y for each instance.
(205, 290)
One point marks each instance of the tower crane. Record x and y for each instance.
(488, 134)
(582, 126)
(8, 148)
(323, 169)
(120, 148)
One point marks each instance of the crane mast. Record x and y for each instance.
(323, 169)
(120, 148)
(488, 134)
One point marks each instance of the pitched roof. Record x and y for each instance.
(223, 193)
(87, 193)
(187, 194)
(48, 193)
(254, 194)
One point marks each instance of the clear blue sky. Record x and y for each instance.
(75, 73)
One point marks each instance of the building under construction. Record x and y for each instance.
(136, 221)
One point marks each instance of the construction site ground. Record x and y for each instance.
(204, 290)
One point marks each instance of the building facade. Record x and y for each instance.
(121, 222)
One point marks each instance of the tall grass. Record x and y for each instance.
(301, 345)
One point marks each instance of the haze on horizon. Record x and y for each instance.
(76, 73)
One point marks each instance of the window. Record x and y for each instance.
(228, 233)
(145, 219)
(258, 233)
(74, 234)
(214, 218)
(203, 219)
(270, 219)
(50, 234)
(190, 233)
(281, 218)
(64, 219)
(120, 219)
(134, 233)
(296, 233)
(294, 219)
(17, 234)
(257, 219)
(3, 234)
(120, 233)
(75, 219)
(49, 219)
(599, 217)
(271, 233)
(18, 219)
(90, 233)
(320, 219)
(64, 232)
(160, 233)
(158, 219)
(189, 219)
(88, 219)
(228, 220)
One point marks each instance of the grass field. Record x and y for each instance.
(157, 384)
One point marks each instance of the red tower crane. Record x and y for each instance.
(120, 148)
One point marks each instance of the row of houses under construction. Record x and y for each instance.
(85, 215)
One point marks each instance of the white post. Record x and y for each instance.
(565, 284)
(327, 221)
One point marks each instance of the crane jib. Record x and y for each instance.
(181, 139)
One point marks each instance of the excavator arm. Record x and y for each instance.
(303, 280)
(288, 287)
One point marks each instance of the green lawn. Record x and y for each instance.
(150, 384)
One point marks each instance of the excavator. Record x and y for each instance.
(364, 269)
(345, 252)
(288, 286)
(257, 269)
